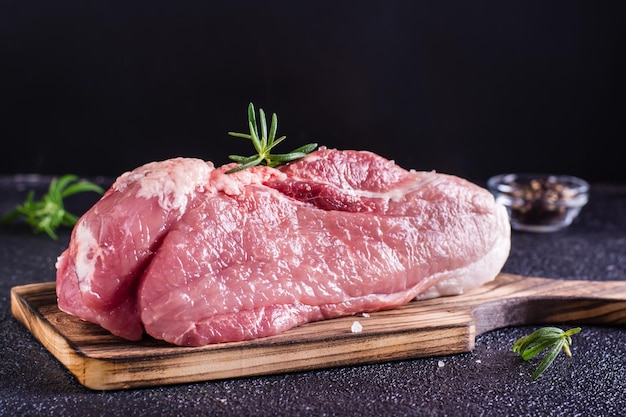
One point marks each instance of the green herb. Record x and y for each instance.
(47, 214)
(264, 143)
(542, 339)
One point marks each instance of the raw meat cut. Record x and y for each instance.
(193, 256)
(97, 274)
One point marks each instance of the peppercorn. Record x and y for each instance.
(539, 201)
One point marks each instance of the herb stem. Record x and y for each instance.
(264, 144)
(542, 339)
(49, 213)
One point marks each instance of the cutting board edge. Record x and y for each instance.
(356, 349)
(48, 335)
(601, 302)
(101, 374)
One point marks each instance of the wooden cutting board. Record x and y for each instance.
(426, 328)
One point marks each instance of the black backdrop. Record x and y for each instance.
(469, 88)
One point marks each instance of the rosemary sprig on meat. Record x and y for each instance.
(547, 337)
(264, 143)
(48, 214)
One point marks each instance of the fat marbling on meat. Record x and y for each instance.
(186, 253)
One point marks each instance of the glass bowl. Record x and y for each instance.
(540, 202)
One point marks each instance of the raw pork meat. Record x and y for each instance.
(190, 255)
(97, 275)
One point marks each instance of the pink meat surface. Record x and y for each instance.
(97, 275)
(258, 252)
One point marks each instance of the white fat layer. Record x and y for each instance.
(170, 181)
(398, 193)
(235, 183)
(459, 281)
(87, 253)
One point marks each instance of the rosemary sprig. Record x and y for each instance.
(547, 337)
(264, 143)
(48, 214)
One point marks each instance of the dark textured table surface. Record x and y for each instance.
(489, 381)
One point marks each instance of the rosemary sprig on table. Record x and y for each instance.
(48, 214)
(542, 339)
(264, 143)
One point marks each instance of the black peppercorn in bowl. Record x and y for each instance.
(540, 202)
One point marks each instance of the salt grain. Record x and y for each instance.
(440, 364)
(357, 327)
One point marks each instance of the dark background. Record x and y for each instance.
(468, 88)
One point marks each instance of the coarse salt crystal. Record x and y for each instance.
(356, 327)
(440, 364)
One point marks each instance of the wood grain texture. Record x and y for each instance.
(426, 328)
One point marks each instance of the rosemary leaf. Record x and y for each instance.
(538, 341)
(264, 144)
(48, 214)
(548, 359)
